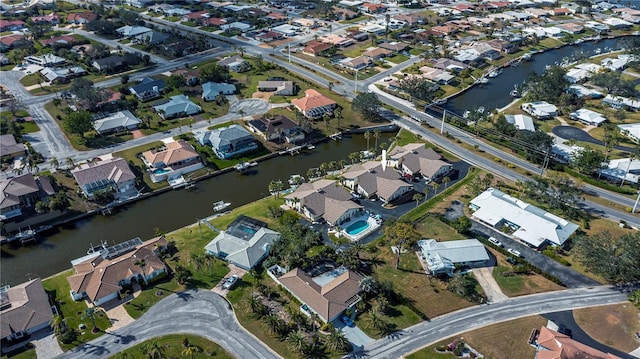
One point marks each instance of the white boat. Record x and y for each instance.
(494, 73)
(526, 57)
(483, 80)
(440, 101)
(515, 93)
(480, 109)
(310, 146)
(220, 205)
(598, 51)
(244, 165)
(466, 114)
(296, 180)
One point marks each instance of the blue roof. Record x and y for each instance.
(147, 84)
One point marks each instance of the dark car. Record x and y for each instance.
(347, 321)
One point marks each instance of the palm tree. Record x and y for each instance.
(191, 351)
(197, 261)
(367, 136)
(338, 115)
(18, 170)
(297, 340)
(417, 197)
(632, 156)
(338, 342)
(376, 136)
(326, 117)
(342, 163)
(90, 313)
(435, 186)
(57, 323)
(70, 164)
(142, 263)
(241, 112)
(153, 350)
(426, 191)
(446, 181)
(275, 325)
(367, 285)
(54, 163)
(387, 18)
(209, 261)
(376, 322)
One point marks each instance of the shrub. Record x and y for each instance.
(69, 337)
(497, 159)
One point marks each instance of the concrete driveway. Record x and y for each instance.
(574, 133)
(489, 285)
(355, 335)
(198, 312)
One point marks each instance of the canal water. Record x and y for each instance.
(168, 211)
(495, 94)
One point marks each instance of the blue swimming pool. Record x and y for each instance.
(160, 171)
(357, 227)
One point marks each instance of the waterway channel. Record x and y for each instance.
(167, 211)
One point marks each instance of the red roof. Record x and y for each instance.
(11, 23)
(214, 21)
(313, 99)
(10, 40)
(195, 15)
(87, 15)
(46, 18)
(373, 7)
(61, 39)
(277, 16)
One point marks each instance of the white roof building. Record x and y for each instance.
(631, 130)
(623, 168)
(441, 257)
(540, 109)
(582, 91)
(588, 117)
(564, 153)
(621, 102)
(119, 121)
(553, 31)
(582, 72)
(521, 122)
(529, 223)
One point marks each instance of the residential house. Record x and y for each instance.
(561, 11)
(245, 242)
(12, 25)
(151, 37)
(277, 18)
(358, 63)
(506, 47)
(540, 110)
(550, 344)
(174, 159)
(336, 40)
(235, 63)
(191, 77)
(278, 87)
(81, 18)
(449, 65)
(529, 224)
(314, 104)
(138, 3)
(627, 169)
(394, 46)
(414, 160)
(99, 277)
(316, 48)
(286, 30)
(521, 122)
(631, 130)
(12, 41)
(58, 40)
(51, 19)
(176, 46)
(129, 31)
(410, 19)
(344, 14)
(571, 28)
(328, 295)
(46, 60)
(268, 36)
(10, 148)
(211, 90)
(615, 23)
(357, 35)
(195, 16)
(112, 174)
(443, 256)
(621, 102)
(237, 25)
(324, 200)
(121, 121)
(376, 53)
(214, 22)
(618, 64)
(177, 106)
(370, 180)
(371, 8)
(582, 91)
(62, 75)
(148, 89)
(228, 142)
(25, 309)
(277, 129)
(20, 194)
(588, 117)
(436, 75)
(109, 64)
(582, 72)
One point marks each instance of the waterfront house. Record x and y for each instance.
(148, 89)
(278, 87)
(436, 75)
(582, 72)
(328, 295)
(277, 129)
(540, 110)
(582, 91)
(211, 90)
(550, 344)
(622, 168)
(324, 200)
(314, 104)
(631, 130)
(235, 64)
(81, 18)
(521, 122)
(245, 242)
(109, 175)
(588, 117)
(132, 31)
(443, 256)
(525, 222)
(25, 309)
(449, 65)
(368, 179)
(177, 106)
(19, 195)
(228, 142)
(121, 121)
(10, 148)
(99, 277)
(174, 159)
(414, 160)
(621, 102)
(109, 63)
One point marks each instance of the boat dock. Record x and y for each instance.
(336, 136)
(292, 151)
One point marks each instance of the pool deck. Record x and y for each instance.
(373, 225)
(325, 278)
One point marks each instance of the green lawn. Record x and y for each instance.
(171, 346)
(28, 352)
(397, 58)
(399, 317)
(509, 284)
(356, 19)
(151, 295)
(57, 287)
(258, 210)
(132, 155)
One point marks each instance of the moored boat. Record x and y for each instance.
(220, 205)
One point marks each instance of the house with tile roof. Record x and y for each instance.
(11, 41)
(52, 19)
(443, 256)
(245, 242)
(277, 128)
(235, 64)
(530, 224)
(19, 195)
(328, 295)
(369, 179)
(58, 40)
(81, 18)
(373, 8)
(10, 148)
(177, 106)
(550, 344)
(414, 160)
(360, 62)
(278, 87)
(12, 25)
(376, 53)
(174, 159)
(324, 200)
(148, 89)
(24, 309)
(314, 104)
(99, 277)
(228, 142)
(111, 174)
(121, 121)
(316, 48)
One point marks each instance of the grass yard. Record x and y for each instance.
(397, 58)
(27, 352)
(433, 227)
(171, 347)
(516, 285)
(132, 155)
(613, 325)
(149, 296)
(258, 210)
(57, 287)
(399, 316)
(356, 19)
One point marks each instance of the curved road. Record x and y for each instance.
(578, 134)
(202, 313)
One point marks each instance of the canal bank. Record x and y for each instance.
(173, 209)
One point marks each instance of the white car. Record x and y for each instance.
(514, 252)
(230, 282)
(496, 242)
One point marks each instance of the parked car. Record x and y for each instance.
(347, 321)
(496, 242)
(230, 282)
(514, 252)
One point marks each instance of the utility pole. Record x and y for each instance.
(545, 163)
(289, 45)
(355, 89)
(444, 115)
(635, 204)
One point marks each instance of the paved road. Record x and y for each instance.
(574, 133)
(202, 313)
(427, 333)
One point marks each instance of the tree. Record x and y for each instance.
(547, 86)
(70, 163)
(14, 105)
(587, 160)
(436, 187)
(78, 123)
(182, 274)
(402, 235)
(376, 321)
(154, 350)
(59, 202)
(338, 342)
(214, 72)
(142, 263)
(275, 325)
(462, 224)
(418, 87)
(504, 127)
(57, 324)
(367, 285)
(368, 105)
(297, 341)
(276, 187)
(465, 286)
(54, 163)
(124, 79)
(613, 258)
(367, 136)
(535, 145)
(635, 154)
(446, 181)
(417, 197)
(191, 351)
(88, 96)
(376, 136)
(176, 81)
(90, 313)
